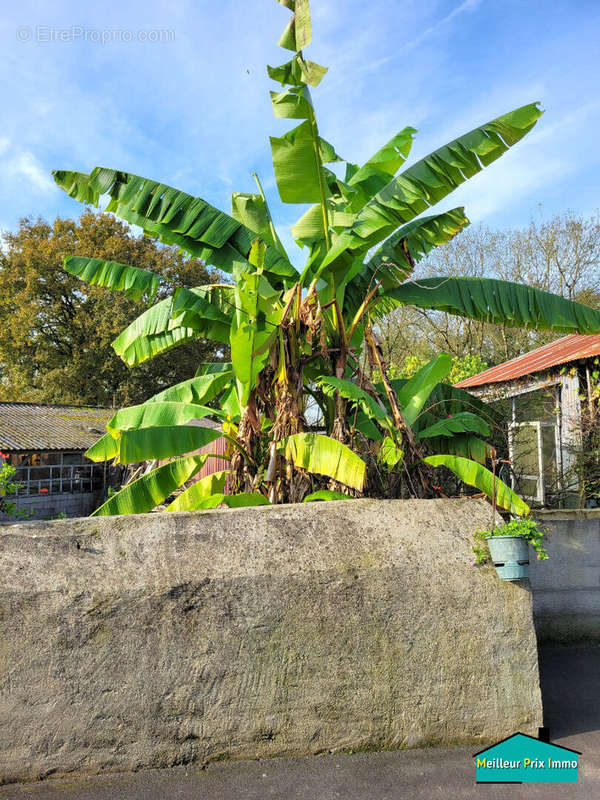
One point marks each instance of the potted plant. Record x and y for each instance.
(507, 547)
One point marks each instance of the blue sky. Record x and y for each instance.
(193, 110)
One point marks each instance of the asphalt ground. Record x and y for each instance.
(570, 678)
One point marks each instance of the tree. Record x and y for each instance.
(560, 255)
(293, 335)
(56, 331)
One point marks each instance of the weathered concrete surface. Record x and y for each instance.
(571, 711)
(169, 638)
(566, 587)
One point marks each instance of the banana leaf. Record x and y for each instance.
(414, 393)
(298, 158)
(431, 179)
(351, 391)
(200, 390)
(390, 454)
(461, 444)
(152, 489)
(476, 475)
(325, 456)
(360, 185)
(297, 33)
(190, 499)
(134, 282)
(375, 173)
(465, 422)
(176, 218)
(297, 70)
(157, 443)
(158, 415)
(502, 302)
(213, 367)
(244, 499)
(325, 494)
(394, 261)
(251, 210)
(150, 334)
(105, 449)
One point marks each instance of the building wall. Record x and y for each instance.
(76, 504)
(566, 588)
(161, 639)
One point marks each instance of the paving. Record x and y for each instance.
(570, 678)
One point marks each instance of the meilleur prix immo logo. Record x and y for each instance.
(524, 759)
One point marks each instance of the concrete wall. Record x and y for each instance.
(48, 506)
(566, 588)
(148, 641)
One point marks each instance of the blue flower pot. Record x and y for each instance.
(510, 555)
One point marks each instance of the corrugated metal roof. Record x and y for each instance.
(562, 351)
(27, 426)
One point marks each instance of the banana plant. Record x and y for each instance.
(364, 231)
(419, 403)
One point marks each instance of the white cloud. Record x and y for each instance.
(25, 165)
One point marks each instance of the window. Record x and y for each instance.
(56, 472)
(534, 444)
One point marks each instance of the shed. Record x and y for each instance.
(550, 390)
(46, 445)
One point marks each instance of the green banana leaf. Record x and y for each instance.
(390, 454)
(351, 391)
(250, 334)
(393, 262)
(199, 390)
(244, 499)
(502, 302)
(158, 415)
(297, 70)
(443, 401)
(431, 179)
(105, 449)
(298, 158)
(134, 282)
(147, 444)
(446, 400)
(361, 422)
(151, 334)
(190, 499)
(213, 367)
(206, 309)
(325, 494)
(476, 475)
(176, 218)
(252, 211)
(461, 444)
(325, 456)
(360, 185)
(297, 33)
(375, 173)
(465, 422)
(152, 489)
(414, 393)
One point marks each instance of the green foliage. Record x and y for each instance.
(474, 474)
(56, 332)
(529, 529)
(151, 489)
(9, 487)
(462, 367)
(293, 334)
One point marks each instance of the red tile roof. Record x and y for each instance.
(569, 348)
